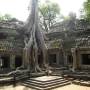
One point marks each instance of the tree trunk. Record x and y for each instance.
(35, 41)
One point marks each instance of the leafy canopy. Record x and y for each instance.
(87, 10)
(49, 13)
(5, 17)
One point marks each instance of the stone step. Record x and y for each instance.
(57, 85)
(32, 86)
(46, 88)
(45, 85)
(59, 78)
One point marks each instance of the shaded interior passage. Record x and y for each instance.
(70, 59)
(52, 59)
(86, 59)
(5, 61)
(40, 60)
(18, 61)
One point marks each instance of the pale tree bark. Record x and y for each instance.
(35, 40)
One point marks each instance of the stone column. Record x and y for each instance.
(25, 58)
(12, 61)
(73, 50)
(66, 62)
(57, 59)
(65, 58)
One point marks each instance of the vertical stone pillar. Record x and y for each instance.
(73, 50)
(25, 58)
(79, 60)
(12, 61)
(65, 58)
(57, 59)
(66, 62)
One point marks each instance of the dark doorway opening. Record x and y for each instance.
(5, 61)
(52, 59)
(40, 59)
(70, 59)
(18, 61)
(86, 59)
(3, 35)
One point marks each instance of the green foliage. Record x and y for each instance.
(49, 13)
(5, 17)
(71, 16)
(55, 44)
(86, 10)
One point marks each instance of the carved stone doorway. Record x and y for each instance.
(52, 59)
(5, 61)
(85, 59)
(18, 61)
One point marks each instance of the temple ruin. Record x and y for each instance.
(66, 48)
(63, 51)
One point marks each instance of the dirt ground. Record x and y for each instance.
(73, 87)
(68, 87)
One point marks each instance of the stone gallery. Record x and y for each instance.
(44, 60)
